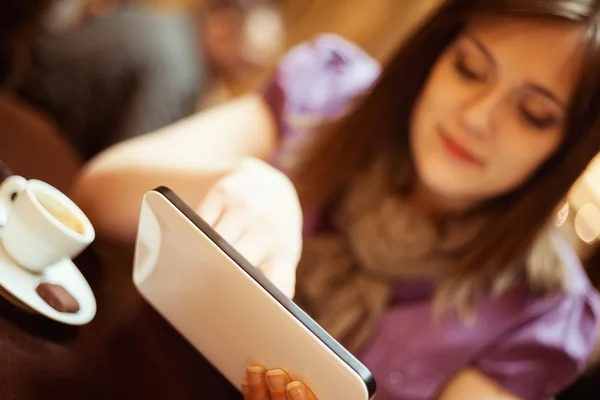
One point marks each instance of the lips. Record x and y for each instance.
(459, 152)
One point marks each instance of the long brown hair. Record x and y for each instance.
(379, 125)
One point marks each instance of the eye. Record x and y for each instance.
(539, 121)
(465, 70)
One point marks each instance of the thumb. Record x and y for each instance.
(212, 208)
(282, 273)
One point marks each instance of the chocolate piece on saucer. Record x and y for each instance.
(57, 297)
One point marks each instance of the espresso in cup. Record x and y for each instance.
(43, 225)
(61, 214)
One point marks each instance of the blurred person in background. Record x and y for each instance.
(107, 71)
(418, 201)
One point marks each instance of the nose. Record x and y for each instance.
(480, 111)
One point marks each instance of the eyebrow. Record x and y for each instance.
(535, 88)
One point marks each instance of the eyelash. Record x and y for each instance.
(540, 123)
(469, 74)
(464, 71)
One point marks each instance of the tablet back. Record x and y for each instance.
(228, 310)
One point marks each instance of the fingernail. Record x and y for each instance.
(277, 379)
(246, 388)
(256, 375)
(297, 391)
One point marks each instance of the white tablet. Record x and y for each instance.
(228, 310)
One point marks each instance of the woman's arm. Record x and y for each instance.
(188, 157)
(470, 384)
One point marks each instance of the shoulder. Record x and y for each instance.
(334, 55)
(573, 312)
(551, 338)
(320, 77)
(551, 350)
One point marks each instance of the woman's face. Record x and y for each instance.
(493, 108)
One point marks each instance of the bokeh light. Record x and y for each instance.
(587, 223)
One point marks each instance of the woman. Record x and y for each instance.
(428, 193)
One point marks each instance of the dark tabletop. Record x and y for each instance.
(127, 352)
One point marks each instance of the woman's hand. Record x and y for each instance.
(274, 384)
(256, 209)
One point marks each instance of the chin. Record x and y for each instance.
(444, 184)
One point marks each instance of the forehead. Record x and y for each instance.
(539, 51)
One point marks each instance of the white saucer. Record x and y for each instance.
(21, 284)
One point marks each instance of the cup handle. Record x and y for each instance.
(11, 186)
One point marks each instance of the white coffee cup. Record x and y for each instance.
(43, 225)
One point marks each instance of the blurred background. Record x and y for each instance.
(376, 25)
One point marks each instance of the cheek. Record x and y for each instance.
(439, 101)
(520, 154)
(513, 154)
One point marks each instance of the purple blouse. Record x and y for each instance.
(533, 347)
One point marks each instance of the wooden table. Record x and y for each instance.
(127, 352)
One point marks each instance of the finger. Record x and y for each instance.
(232, 224)
(299, 391)
(212, 207)
(281, 270)
(254, 246)
(256, 376)
(277, 381)
(246, 389)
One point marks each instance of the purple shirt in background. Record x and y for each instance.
(533, 347)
